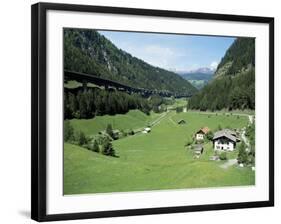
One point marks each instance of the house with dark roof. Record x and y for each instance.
(200, 134)
(225, 140)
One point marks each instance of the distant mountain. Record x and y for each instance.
(233, 86)
(199, 77)
(203, 70)
(89, 52)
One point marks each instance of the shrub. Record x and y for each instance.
(89, 146)
(95, 146)
(68, 133)
(102, 139)
(131, 132)
(81, 138)
(179, 109)
(210, 135)
(251, 159)
(199, 141)
(223, 156)
(123, 133)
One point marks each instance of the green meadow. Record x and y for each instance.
(134, 119)
(154, 161)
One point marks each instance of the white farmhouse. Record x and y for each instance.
(200, 134)
(225, 140)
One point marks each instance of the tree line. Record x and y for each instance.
(91, 102)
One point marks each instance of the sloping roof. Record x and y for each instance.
(181, 121)
(205, 130)
(225, 133)
(230, 131)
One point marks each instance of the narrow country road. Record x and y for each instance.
(153, 123)
(159, 119)
(244, 138)
(243, 134)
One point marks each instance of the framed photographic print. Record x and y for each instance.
(139, 111)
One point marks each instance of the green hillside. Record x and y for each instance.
(89, 52)
(154, 161)
(233, 86)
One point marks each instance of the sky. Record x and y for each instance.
(172, 51)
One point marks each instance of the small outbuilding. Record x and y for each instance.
(181, 121)
(198, 149)
(146, 130)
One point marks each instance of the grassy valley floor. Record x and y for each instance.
(153, 161)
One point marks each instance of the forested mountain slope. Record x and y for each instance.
(87, 51)
(233, 86)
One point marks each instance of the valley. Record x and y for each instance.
(154, 161)
(131, 125)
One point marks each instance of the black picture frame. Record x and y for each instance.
(38, 108)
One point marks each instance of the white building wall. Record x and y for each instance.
(199, 136)
(229, 146)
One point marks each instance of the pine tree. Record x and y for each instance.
(82, 139)
(108, 149)
(73, 105)
(242, 154)
(96, 146)
(67, 112)
(109, 130)
(82, 105)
